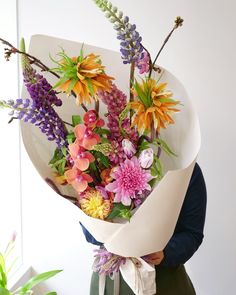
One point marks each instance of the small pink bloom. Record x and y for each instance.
(146, 158)
(128, 148)
(143, 63)
(78, 179)
(130, 180)
(92, 120)
(85, 137)
(80, 157)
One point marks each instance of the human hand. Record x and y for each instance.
(154, 258)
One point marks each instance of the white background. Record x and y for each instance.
(202, 55)
(10, 201)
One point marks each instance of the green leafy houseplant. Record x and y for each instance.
(27, 287)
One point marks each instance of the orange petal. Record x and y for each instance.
(79, 131)
(82, 164)
(80, 186)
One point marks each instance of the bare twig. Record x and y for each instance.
(32, 60)
(178, 23)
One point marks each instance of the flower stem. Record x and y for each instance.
(153, 131)
(178, 23)
(97, 107)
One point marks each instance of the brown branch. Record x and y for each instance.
(32, 60)
(178, 23)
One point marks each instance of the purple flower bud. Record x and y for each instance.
(128, 148)
(146, 158)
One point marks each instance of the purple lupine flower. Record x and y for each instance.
(116, 101)
(130, 40)
(45, 118)
(131, 47)
(106, 262)
(39, 89)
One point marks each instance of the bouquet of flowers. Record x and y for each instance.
(113, 147)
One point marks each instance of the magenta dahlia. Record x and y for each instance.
(130, 181)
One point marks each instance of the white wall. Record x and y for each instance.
(10, 201)
(202, 55)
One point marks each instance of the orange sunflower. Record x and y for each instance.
(153, 105)
(84, 76)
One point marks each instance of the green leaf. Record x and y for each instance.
(163, 99)
(81, 56)
(36, 280)
(102, 158)
(120, 210)
(76, 119)
(141, 95)
(61, 167)
(70, 137)
(102, 131)
(64, 151)
(90, 86)
(4, 291)
(3, 276)
(72, 84)
(124, 113)
(60, 81)
(56, 156)
(52, 293)
(164, 146)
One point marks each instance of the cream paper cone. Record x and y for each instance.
(152, 225)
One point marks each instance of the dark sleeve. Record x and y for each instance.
(89, 238)
(188, 234)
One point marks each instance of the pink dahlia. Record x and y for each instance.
(130, 181)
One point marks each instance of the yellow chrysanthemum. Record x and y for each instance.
(153, 105)
(84, 76)
(94, 205)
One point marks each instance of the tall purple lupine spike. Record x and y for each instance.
(116, 101)
(130, 40)
(40, 111)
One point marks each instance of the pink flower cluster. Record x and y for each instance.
(80, 156)
(116, 102)
(131, 180)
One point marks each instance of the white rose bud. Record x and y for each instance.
(146, 158)
(128, 148)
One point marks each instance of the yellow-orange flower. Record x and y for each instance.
(94, 204)
(84, 76)
(153, 105)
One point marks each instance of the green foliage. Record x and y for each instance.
(58, 160)
(4, 291)
(122, 116)
(143, 95)
(120, 210)
(101, 158)
(76, 119)
(36, 280)
(102, 131)
(156, 168)
(70, 137)
(164, 146)
(27, 287)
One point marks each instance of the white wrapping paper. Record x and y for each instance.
(153, 224)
